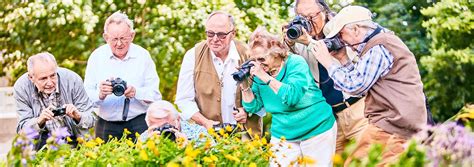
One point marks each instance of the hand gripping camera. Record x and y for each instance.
(166, 131)
(243, 72)
(118, 86)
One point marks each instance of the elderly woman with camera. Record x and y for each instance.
(302, 122)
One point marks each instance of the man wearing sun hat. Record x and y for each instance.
(386, 72)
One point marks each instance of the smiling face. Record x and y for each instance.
(270, 63)
(119, 37)
(220, 32)
(44, 76)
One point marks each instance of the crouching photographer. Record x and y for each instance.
(163, 119)
(49, 98)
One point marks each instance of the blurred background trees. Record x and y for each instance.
(440, 34)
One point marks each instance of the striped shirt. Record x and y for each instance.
(356, 79)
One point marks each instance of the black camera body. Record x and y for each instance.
(333, 43)
(166, 131)
(118, 86)
(59, 111)
(296, 26)
(243, 72)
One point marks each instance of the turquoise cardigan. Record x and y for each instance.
(299, 110)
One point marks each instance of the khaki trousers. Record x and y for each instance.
(351, 123)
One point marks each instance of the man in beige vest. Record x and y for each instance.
(207, 93)
(387, 72)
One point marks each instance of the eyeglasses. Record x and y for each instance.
(312, 17)
(121, 39)
(220, 35)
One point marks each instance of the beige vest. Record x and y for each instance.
(396, 101)
(208, 86)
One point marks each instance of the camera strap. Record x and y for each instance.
(125, 109)
(376, 31)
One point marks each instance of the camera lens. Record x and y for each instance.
(294, 32)
(169, 134)
(118, 89)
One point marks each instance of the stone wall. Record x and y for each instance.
(8, 120)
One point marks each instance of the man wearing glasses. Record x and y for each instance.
(207, 93)
(121, 104)
(349, 110)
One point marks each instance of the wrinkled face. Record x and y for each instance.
(269, 63)
(352, 36)
(220, 33)
(44, 77)
(119, 37)
(313, 13)
(157, 121)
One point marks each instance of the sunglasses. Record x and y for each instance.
(220, 35)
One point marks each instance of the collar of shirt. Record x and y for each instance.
(111, 55)
(232, 55)
(362, 45)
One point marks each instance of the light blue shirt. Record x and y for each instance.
(137, 69)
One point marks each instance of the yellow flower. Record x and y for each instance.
(207, 160)
(91, 155)
(68, 139)
(211, 131)
(469, 115)
(172, 164)
(99, 141)
(253, 164)
(228, 128)
(80, 140)
(122, 160)
(143, 155)
(306, 160)
(239, 125)
(137, 135)
(155, 151)
(214, 158)
(130, 143)
(150, 144)
(221, 132)
(282, 139)
(91, 144)
(337, 159)
(126, 131)
(110, 136)
(264, 141)
(190, 152)
(232, 158)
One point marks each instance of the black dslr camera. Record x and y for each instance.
(296, 26)
(333, 43)
(118, 86)
(243, 72)
(59, 111)
(166, 131)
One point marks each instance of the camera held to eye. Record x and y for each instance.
(296, 26)
(118, 86)
(59, 111)
(243, 72)
(166, 131)
(333, 43)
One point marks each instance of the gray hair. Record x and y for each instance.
(230, 17)
(117, 18)
(43, 57)
(366, 24)
(162, 107)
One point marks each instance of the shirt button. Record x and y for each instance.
(219, 99)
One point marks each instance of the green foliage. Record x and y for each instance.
(450, 67)
(71, 30)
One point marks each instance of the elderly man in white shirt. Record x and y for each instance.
(206, 91)
(120, 58)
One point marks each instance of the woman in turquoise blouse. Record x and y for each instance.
(302, 122)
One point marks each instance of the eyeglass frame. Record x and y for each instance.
(121, 39)
(217, 34)
(311, 18)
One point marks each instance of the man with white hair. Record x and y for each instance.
(126, 70)
(163, 113)
(49, 97)
(207, 92)
(387, 72)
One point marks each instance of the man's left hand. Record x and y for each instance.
(72, 112)
(240, 115)
(130, 91)
(320, 51)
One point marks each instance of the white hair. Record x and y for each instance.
(366, 24)
(117, 18)
(230, 17)
(43, 57)
(162, 107)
